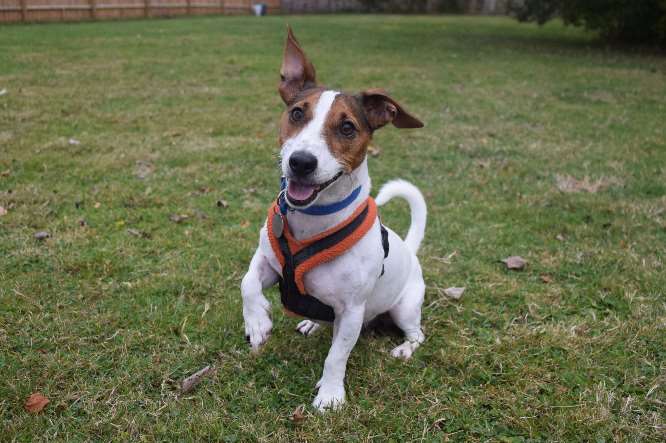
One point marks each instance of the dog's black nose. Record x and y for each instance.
(302, 163)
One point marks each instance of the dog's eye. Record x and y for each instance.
(347, 129)
(296, 114)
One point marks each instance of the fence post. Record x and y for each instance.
(93, 9)
(24, 10)
(189, 7)
(146, 8)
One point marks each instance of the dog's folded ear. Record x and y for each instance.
(381, 109)
(297, 72)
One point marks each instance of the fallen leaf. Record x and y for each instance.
(143, 169)
(515, 262)
(454, 293)
(42, 235)
(193, 380)
(178, 218)
(35, 403)
(245, 224)
(5, 173)
(2, 92)
(222, 203)
(437, 424)
(560, 237)
(3, 211)
(137, 233)
(73, 142)
(546, 278)
(567, 183)
(374, 151)
(97, 205)
(298, 415)
(447, 259)
(206, 308)
(201, 191)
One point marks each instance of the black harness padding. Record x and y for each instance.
(304, 304)
(385, 243)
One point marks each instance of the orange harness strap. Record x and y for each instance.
(325, 255)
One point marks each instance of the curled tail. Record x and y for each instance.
(417, 206)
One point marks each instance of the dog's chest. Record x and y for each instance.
(351, 274)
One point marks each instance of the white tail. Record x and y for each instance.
(417, 206)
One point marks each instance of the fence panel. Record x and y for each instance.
(75, 10)
(11, 11)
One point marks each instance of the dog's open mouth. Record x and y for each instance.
(302, 194)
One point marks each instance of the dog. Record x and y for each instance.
(323, 241)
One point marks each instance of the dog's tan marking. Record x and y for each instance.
(306, 100)
(349, 151)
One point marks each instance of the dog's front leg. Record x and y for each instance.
(347, 328)
(256, 309)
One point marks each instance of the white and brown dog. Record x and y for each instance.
(324, 136)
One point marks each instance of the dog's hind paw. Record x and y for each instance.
(307, 327)
(405, 350)
(329, 398)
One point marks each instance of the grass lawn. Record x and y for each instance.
(119, 139)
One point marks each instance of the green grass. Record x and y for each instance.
(105, 319)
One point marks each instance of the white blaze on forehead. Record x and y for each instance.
(311, 139)
(315, 127)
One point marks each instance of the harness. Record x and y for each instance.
(298, 257)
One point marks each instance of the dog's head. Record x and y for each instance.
(324, 134)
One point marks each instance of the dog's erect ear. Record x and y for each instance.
(381, 109)
(297, 73)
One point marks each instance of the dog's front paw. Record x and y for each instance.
(258, 327)
(329, 398)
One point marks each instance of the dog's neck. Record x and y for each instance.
(304, 226)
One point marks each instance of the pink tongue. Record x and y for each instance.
(298, 191)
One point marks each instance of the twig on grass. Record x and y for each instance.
(193, 380)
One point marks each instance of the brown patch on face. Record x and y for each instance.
(348, 147)
(306, 100)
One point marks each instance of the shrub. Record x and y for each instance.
(626, 21)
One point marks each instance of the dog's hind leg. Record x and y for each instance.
(407, 315)
(307, 327)
(256, 308)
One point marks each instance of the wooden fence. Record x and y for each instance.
(76, 10)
